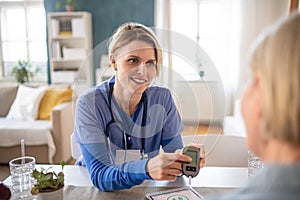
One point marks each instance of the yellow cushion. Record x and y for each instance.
(52, 98)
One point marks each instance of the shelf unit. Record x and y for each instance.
(70, 43)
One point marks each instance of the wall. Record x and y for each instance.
(107, 15)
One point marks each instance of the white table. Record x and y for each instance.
(233, 177)
(77, 182)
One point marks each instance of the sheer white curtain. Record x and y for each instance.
(236, 23)
(218, 22)
(162, 22)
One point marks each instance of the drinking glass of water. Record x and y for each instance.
(254, 163)
(21, 177)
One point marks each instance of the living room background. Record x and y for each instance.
(107, 15)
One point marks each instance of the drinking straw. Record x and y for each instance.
(23, 151)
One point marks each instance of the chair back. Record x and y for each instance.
(221, 150)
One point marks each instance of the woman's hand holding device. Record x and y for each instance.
(167, 166)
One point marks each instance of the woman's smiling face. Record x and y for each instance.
(135, 66)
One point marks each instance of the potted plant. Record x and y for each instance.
(22, 72)
(70, 5)
(49, 185)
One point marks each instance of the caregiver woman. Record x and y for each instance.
(122, 123)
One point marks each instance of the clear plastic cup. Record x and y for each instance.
(254, 164)
(21, 177)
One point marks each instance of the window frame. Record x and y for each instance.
(203, 37)
(25, 5)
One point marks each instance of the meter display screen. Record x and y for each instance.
(193, 155)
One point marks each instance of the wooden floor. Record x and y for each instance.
(202, 129)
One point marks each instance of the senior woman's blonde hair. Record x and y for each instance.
(277, 57)
(131, 31)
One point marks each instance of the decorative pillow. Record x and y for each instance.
(26, 103)
(52, 98)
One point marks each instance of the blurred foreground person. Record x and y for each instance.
(271, 111)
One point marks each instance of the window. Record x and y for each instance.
(23, 36)
(215, 25)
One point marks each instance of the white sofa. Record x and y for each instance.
(47, 140)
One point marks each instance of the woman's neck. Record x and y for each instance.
(280, 152)
(126, 100)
